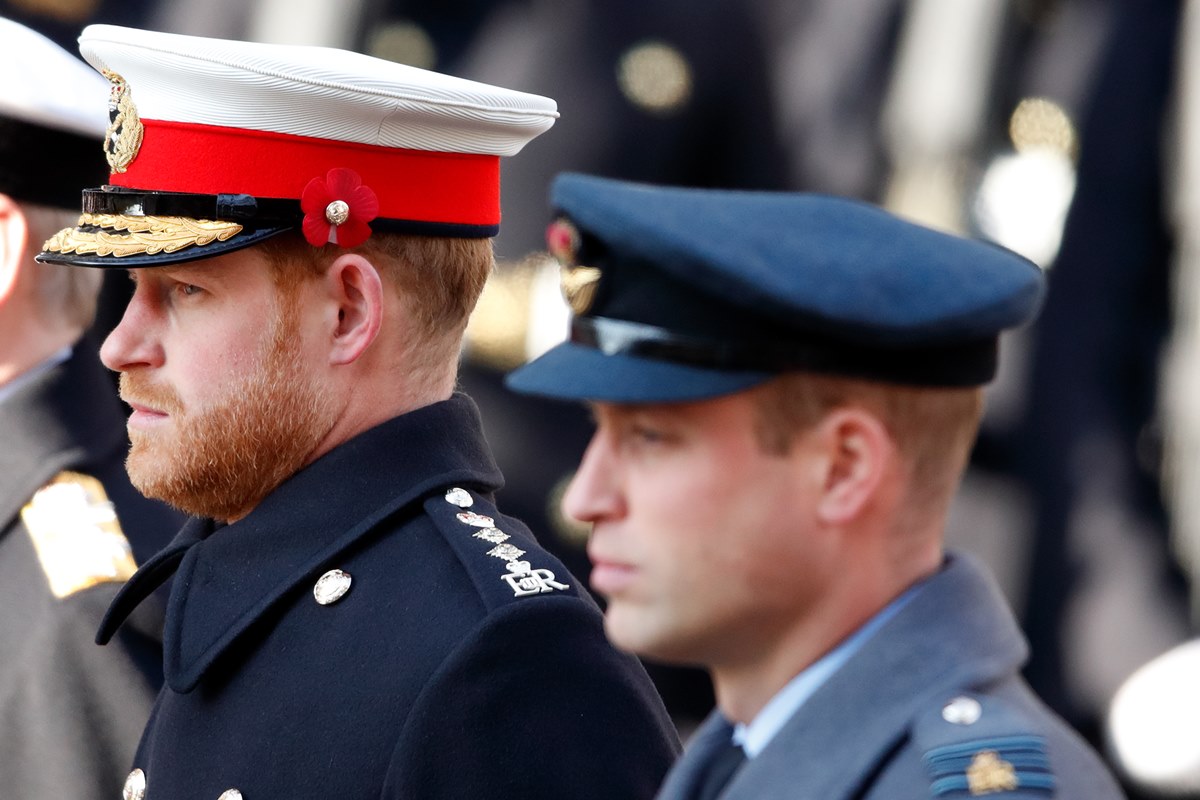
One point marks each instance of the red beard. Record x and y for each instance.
(220, 462)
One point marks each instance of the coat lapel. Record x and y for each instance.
(956, 632)
(229, 579)
(710, 737)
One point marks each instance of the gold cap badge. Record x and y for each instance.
(579, 283)
(123, 138)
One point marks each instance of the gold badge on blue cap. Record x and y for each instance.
(124, 136)
(578, 282)
(76, 534)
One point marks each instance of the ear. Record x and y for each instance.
(860, 454)
(354, 285)
(14, 239)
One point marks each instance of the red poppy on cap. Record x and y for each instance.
(338, 209)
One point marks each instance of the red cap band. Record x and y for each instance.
(418, 185)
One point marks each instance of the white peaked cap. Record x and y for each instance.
(216, 144)
(314, 91)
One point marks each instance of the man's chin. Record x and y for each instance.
(143, 465)
(149, 475)
(627, 630)
(657, 639)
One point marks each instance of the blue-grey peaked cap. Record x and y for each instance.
(689, 293)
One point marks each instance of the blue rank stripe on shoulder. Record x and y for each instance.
(1012, 766)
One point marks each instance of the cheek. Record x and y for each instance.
(204, 370)
(749, 523)
(688, 524)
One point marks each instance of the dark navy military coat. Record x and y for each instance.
(932, 706)
(72, 711)
(463, 661)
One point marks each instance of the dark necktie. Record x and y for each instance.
(720, 771)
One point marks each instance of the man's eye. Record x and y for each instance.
(189, 289)
(647, 435)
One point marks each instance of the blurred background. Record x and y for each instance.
(1068, 130)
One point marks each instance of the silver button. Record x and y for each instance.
(330, 588)
(230, 794)
(478, 520)
(962, 711)
(135, 786)
(460, 497)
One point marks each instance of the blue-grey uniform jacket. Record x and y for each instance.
(376, 629)
(71, 529)
(931, 706)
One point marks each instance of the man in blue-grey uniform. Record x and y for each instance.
(72, 527)
(350, 616)
(786, 389)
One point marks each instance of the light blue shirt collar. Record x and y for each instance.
(787, 701)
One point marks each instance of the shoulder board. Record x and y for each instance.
(76, 534)
(500, 554)
(977, 745)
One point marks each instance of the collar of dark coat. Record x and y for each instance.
(67, 417)
(227, 577)
(954, 635)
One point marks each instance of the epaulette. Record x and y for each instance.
(503, 559)
(76, 535)
(977, 745)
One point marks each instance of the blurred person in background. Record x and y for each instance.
(786, 388)
(1044, 125)
(72, 528)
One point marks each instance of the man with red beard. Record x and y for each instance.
(307, 231)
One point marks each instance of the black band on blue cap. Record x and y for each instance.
(962, 364)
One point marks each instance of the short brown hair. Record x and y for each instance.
(934, 428)
(438, 278)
